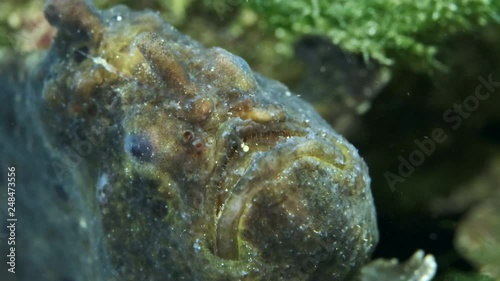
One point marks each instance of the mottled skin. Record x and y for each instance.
(204, 170)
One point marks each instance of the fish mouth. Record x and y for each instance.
(268, 171)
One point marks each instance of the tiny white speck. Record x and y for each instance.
(83, 223)
(196, 246)
(245, 147)
(287, 93)
(119, 18)
(372, 30)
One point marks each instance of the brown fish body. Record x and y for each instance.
(214, 172)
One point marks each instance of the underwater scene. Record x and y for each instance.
(252, 140)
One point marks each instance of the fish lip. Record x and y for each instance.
(249, 184)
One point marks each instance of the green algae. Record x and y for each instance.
(404, 32)
(390, 32)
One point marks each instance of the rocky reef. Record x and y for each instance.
(200, 168)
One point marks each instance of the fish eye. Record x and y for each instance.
(140, 147)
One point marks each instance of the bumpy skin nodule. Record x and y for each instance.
(203, 169)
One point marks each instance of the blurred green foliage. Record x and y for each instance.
(388, 31)
(402, 32)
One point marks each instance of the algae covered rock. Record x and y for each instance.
(200, 168)
(419, 267)
(478, 237)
